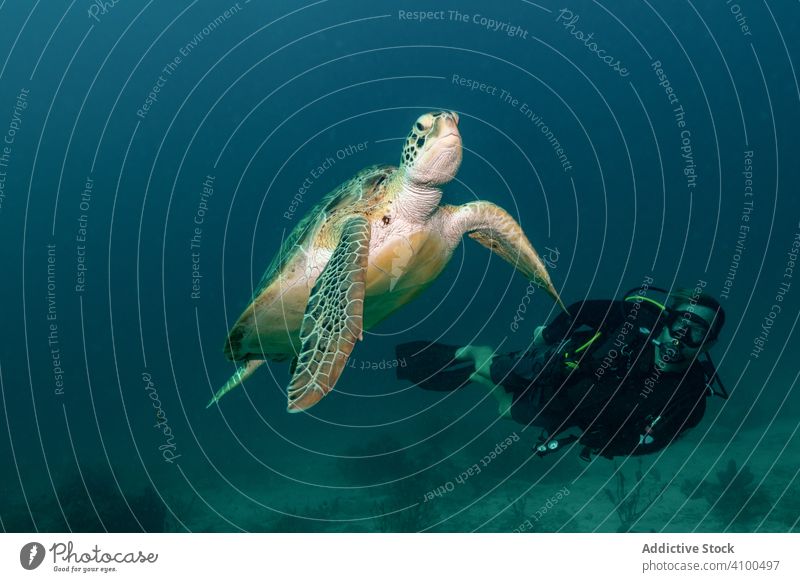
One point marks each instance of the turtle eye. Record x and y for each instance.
(424, 123)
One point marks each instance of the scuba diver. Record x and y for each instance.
(631, 375)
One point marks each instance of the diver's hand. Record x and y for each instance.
(538, 336)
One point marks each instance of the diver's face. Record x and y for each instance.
(680, 342)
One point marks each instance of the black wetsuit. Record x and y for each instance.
(610, 389)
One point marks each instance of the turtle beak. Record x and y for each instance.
(447, 124)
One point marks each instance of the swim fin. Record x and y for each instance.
(433, 366)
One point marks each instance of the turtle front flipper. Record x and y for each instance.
(333, 320)
(497, 230)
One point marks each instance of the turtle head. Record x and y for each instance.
(432, 152)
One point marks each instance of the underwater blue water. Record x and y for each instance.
(623, 155)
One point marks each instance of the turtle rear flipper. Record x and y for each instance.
(333, 320)
(242, 373)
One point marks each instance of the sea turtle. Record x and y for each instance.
(368, 248)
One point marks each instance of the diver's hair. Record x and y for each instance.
(685, 295)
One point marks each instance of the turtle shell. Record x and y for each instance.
(357, 195)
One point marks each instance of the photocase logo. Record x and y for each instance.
(31, 555)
